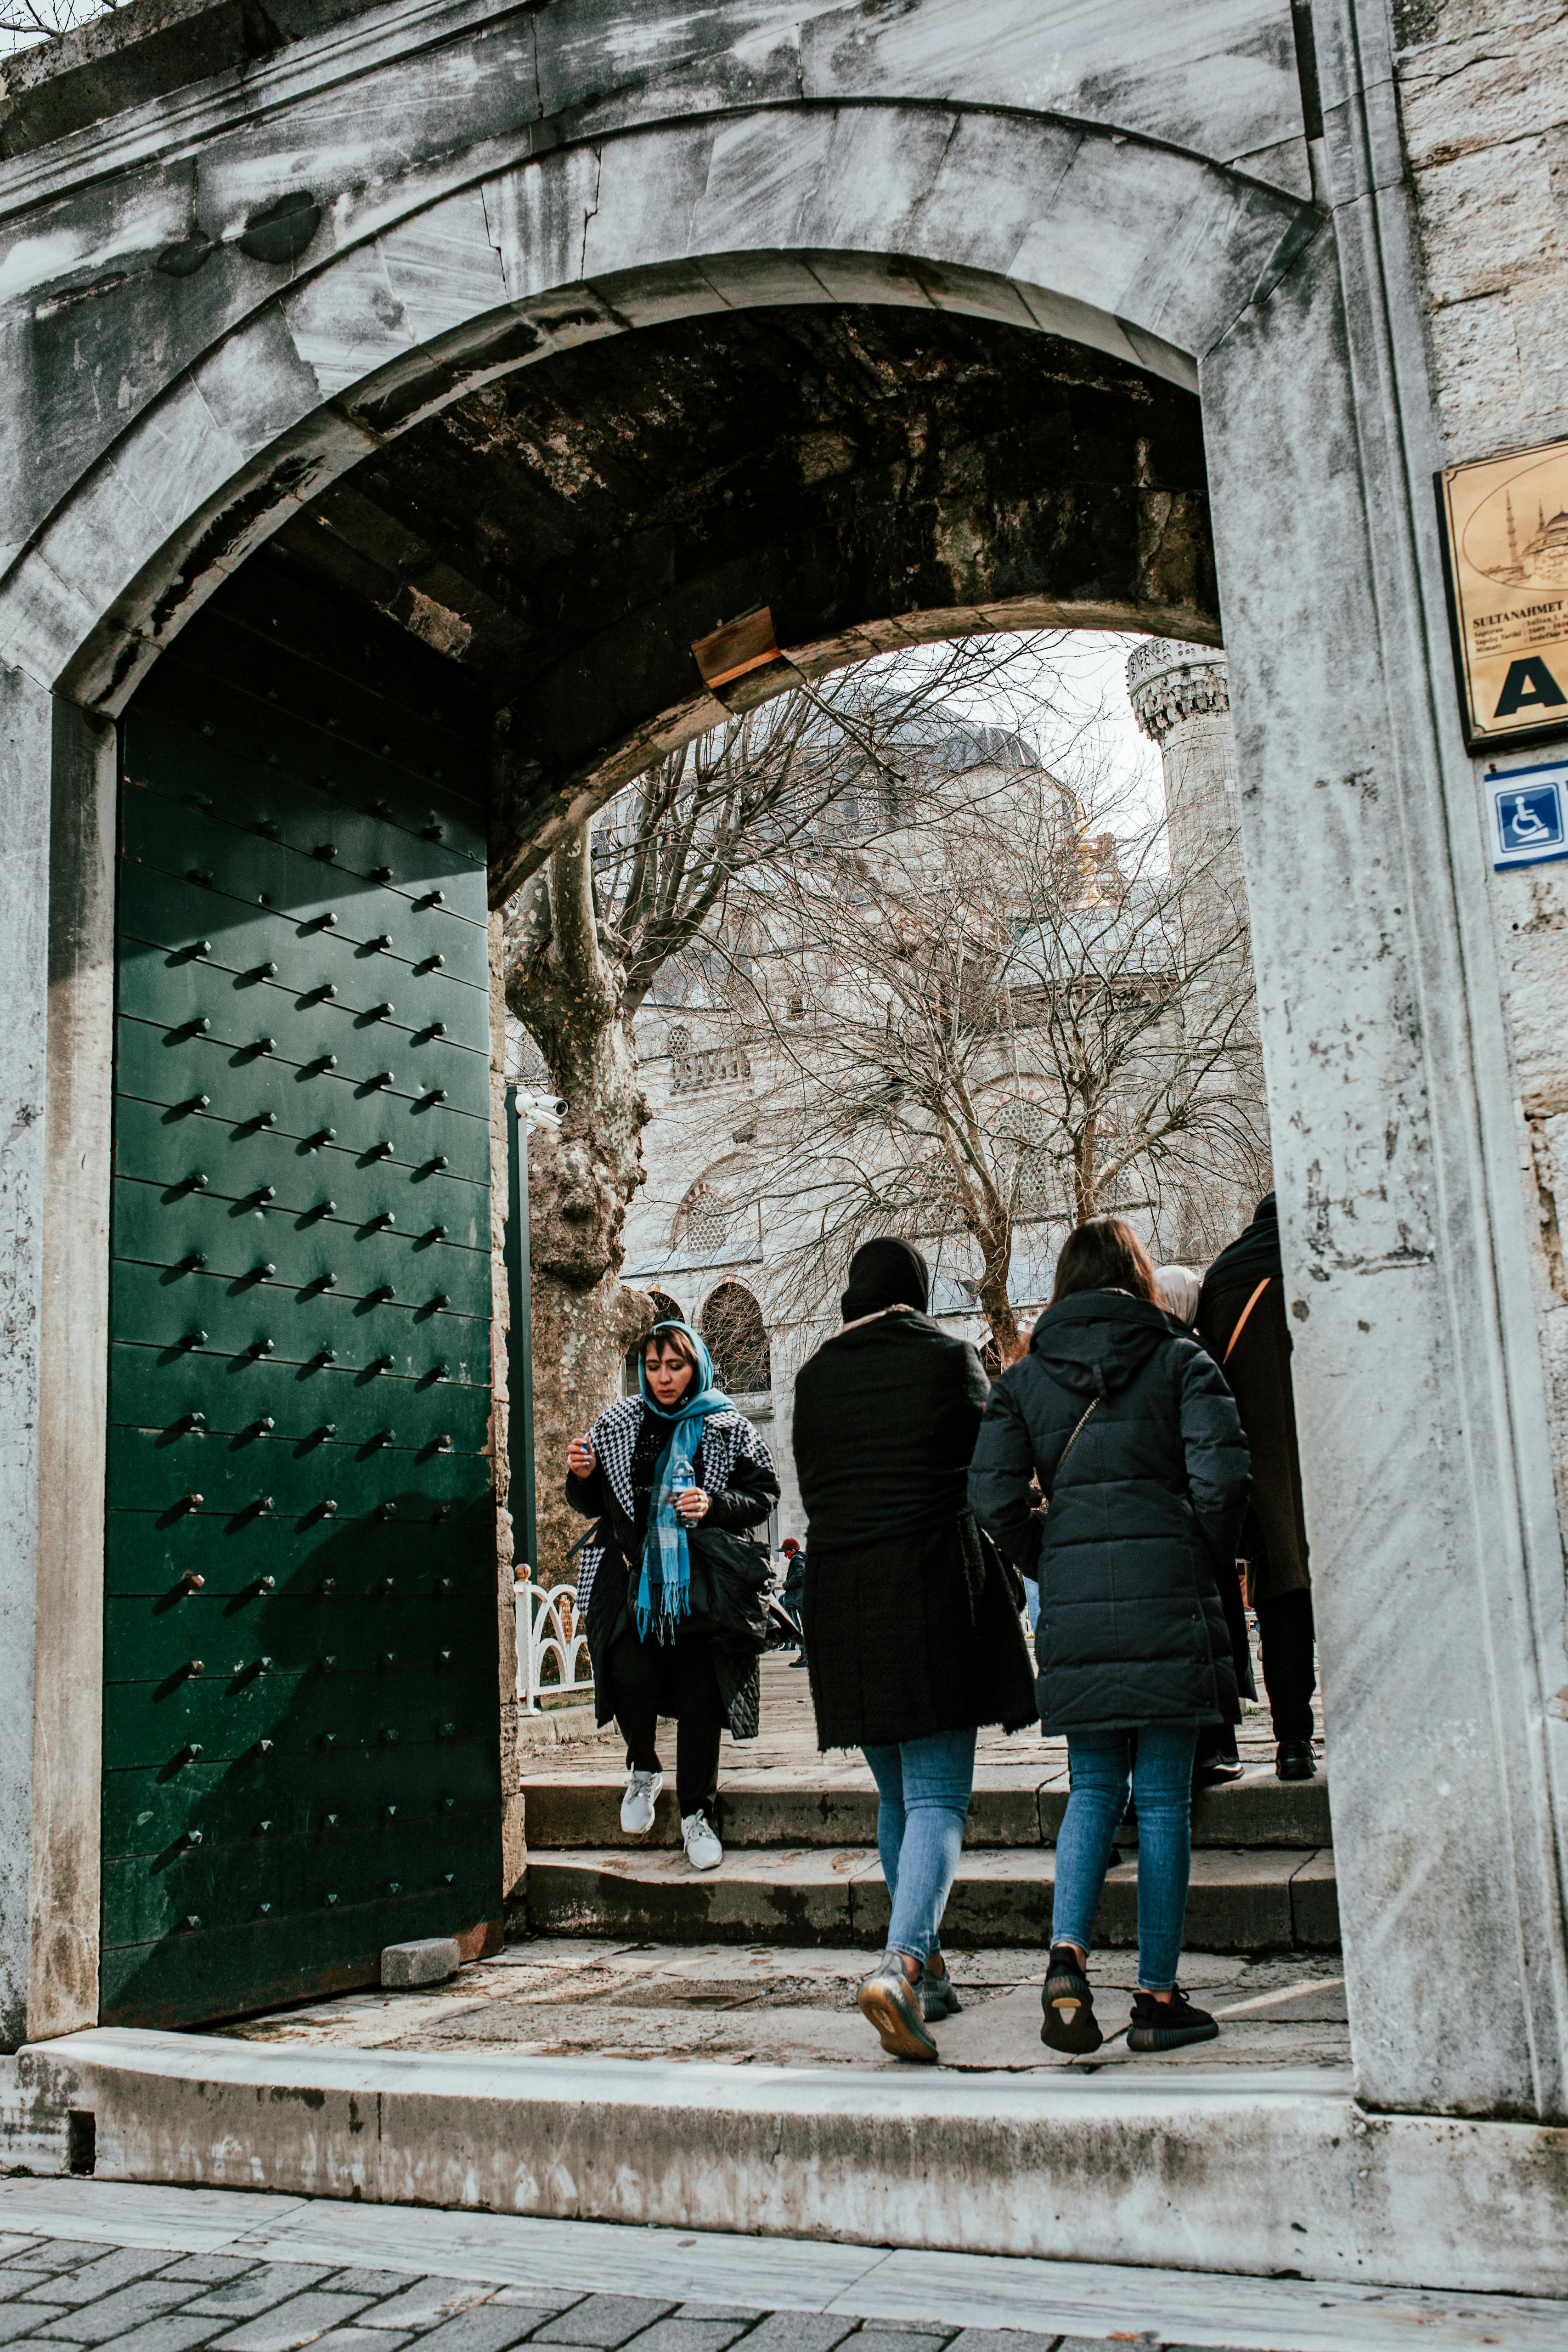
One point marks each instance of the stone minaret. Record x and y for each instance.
(1182, 702)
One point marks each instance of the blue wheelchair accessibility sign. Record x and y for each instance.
(1528, 805)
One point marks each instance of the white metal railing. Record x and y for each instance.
(549, 1629)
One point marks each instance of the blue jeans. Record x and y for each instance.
(923, 1786)
(1159, 1758)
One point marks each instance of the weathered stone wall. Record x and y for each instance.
(1483, 93)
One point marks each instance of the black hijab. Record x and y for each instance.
(885, 1273)
(1248, 1258)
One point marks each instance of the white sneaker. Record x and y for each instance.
(637, 1805)
(704, 1850)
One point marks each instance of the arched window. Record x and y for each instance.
(666, 1308)
(737, 1340)
(706, 1219)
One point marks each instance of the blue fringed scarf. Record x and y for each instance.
(664, 1588)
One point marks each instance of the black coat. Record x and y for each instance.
(745, 1503)
(1257, 1367)
(1150, 1496)
(910, 1628)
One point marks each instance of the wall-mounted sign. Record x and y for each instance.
(1529, 815)
(1505, 533)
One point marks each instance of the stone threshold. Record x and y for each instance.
(1266, 2173)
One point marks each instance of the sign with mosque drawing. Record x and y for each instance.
(1505, 533)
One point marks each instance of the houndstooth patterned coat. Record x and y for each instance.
(736, 1471)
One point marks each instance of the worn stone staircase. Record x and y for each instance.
(801, 1866)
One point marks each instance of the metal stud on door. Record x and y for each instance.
(300, 1709)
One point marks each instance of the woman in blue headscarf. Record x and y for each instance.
(674, 1457)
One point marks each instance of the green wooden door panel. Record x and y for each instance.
(182, 1312)
(147, 1811)
(160, 1472)
(147, 1391)
(301, 1711)
(376, 1009)
(302, 1177)
(292, 1958)
(352, 1559)
(251, 1242)
(246, 1087)
(192, 923)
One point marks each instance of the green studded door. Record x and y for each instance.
(300, 1706)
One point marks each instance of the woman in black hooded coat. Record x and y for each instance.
(912, 1635)
(1136, 1444)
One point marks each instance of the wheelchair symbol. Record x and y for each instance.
(1530, 819)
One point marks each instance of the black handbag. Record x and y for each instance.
(729, 1586)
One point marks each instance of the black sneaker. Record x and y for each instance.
(1168, 2025)
(1069, 2005)
(939, 1996)
(1294, 1760)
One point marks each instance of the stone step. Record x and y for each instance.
(825, 1809)
(1243, 1899)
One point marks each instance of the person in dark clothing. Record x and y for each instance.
(1218, 1762)
(794, 1589)
(1242, 1322)
(677, 1457)
(1136, 1446)
(911, 1633)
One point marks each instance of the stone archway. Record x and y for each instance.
(1165, 217)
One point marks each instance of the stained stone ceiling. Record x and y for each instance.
(568, 532)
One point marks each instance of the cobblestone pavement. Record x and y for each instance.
(150, 2299)
(552, 1997)
(260, 2273)
(264, 2272)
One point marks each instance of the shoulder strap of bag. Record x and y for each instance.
(1242, 1318)
(1071, 1444)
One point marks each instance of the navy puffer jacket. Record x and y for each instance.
(1131, 1629)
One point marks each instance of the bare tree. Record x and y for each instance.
(23, 22)
(680, 856)
(1004, 1014)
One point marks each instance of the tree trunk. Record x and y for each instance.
(568, 992)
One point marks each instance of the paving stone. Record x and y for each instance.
(423, 2302)
(547, 2305)
(175, 2332)
(16, 2318)
(800, 2331)
(745, 2311)
(688, 2335)
(259, 2289)
(364, 2281)
(11, 2245)
(288, 2325)
(36, 2283)
(998, 2339)
(210, 2270)
(115, 2315)
(608, 2321)
(489, 2327)
(360, 2339)
(889, 2337)
(111, 2271)
(63, 2251)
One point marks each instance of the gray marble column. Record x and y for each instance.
(56, 986)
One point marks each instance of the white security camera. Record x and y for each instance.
(540, 1110)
